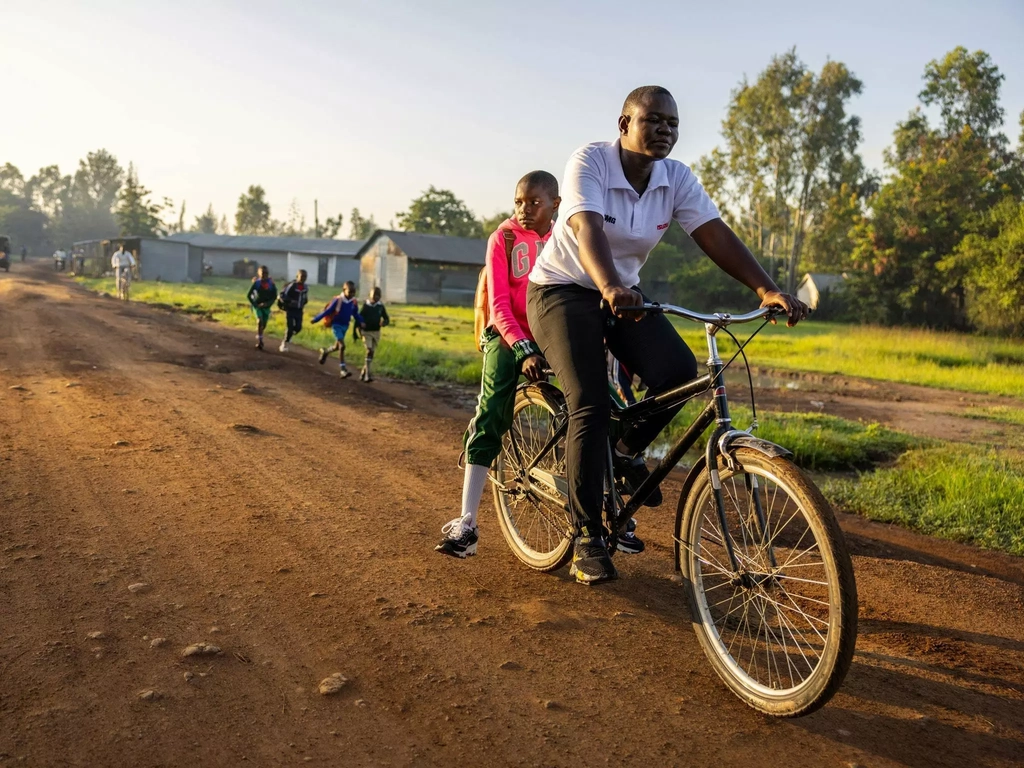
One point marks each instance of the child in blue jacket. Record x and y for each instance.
(337, 315)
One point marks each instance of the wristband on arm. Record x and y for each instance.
(523, 348)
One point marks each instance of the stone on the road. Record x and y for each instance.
(333, 684)
(201, 649)
(138, 587)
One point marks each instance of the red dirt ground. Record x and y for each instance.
(291, 523)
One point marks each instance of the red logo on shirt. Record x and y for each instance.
(664, 226)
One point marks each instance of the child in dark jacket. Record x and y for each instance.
(337, 315)
(292, 300)
(375, 317)
(261, 297)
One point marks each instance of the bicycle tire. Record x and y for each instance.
(765, 585)
(534, 517)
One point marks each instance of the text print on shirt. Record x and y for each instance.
(521, 258)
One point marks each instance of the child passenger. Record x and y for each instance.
(508, 346)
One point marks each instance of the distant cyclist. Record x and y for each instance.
(618, 199)
(122, 263)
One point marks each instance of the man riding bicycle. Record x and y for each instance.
(618, 199)
(122, 263)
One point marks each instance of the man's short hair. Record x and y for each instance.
(541, 179)
(639, 95)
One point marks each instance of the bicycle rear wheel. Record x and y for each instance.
(532, 505)
(780, 631)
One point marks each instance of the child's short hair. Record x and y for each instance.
(375, 291)
(541, 179)
(303, 274)
(349, 284)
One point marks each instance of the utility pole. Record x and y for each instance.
(316, 220)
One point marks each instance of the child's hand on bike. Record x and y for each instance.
(534, 367)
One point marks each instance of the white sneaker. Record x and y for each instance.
(345, 373)
(284, 346)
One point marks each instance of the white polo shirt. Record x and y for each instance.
(634, 224)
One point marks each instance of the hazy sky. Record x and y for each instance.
(365, 104)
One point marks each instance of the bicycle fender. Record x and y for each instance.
(746, 440)
(547, 388)
(691, 478)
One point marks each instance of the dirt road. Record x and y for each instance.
(289, 517)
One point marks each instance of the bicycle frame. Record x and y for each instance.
(716, 412)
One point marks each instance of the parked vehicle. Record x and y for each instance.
(5, 253)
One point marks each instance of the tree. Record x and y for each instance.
(944, 182)
(136, 214)
(98, 180)
(789, 147)
(965, 87)
(439, 212)
(491, 223)
(360, 228)
(994, 270)
(332, 227)
(207, 223)
(253, 214)
(11, 180)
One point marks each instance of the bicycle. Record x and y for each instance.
(768, 577)
(124, 283)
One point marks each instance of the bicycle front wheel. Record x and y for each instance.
(529, 481)
(780, 628)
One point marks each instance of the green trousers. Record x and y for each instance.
(494, 406)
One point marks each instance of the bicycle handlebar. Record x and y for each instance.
(721, 319)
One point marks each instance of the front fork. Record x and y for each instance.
(716, 447)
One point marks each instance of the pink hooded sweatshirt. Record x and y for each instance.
(507, 283)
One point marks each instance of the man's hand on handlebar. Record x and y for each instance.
(535, 368)
(618, 296)
(795, 309)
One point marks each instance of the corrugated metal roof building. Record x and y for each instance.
(328, 262)
(413, 268)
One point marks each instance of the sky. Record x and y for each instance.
(366, 104)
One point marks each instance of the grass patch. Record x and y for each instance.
(425, 344)
(1000, 413)
(436, 343)
(966, 494)
(929, 358)
(819, 442)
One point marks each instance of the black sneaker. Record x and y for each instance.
(458, 540)
(259, 344)
(629, 542)
(632, 471)
(591, 563)
(323, 355)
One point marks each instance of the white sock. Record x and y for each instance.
(472, 490)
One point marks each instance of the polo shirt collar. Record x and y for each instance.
(617, 178)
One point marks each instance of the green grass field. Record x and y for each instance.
(436, 343)
(958, 492)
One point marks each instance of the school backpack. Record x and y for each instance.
(482, 300)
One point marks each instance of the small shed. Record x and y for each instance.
(814, 285)
(414, 268)
(328, 262)
(158, 258)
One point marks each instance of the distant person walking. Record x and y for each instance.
(337, 315)
(262, 294)
(24, 253)
(375, 317)
(292, 300)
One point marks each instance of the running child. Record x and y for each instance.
(292, 300)
(508, 346)
(337, 315)
(375, 317)
(261, 297)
